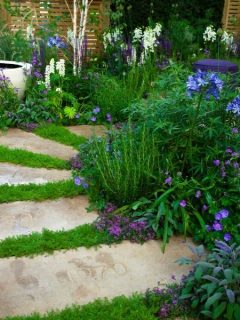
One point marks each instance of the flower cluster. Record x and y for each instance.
(29, 32)
(96, 110)
(210, 35)
(217, 224)
(52, 68)
(206, 83)
(112, 37)
(234, 106)
(57, 42)
(123, 228)
(230, 161)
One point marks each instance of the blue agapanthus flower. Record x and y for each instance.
(56, 41)
(204, 82)
(234, 106)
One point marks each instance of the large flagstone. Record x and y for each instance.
(13, 174)
(49, 282)
(16, 138)
(25, 217)
(88, 131)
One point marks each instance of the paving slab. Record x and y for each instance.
(80, 276)
(16, 138)
(88, 131)
(25, 217)
(13, 174)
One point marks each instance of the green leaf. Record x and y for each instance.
(230, 310)
(213, 299)
(200, 220)
(207, 313)
(198, 273)
(195, 303)
(219, 310)
(228, 274)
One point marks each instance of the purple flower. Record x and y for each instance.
(208, 228)
(77, 181)
(217, 226)
(198, 194)
(218, 216)
(168, 180)
(110, 207)
(234, 106)
(205, 207)
(108, 117)
(96, 110)
(93, 119)
(235, 130)
(216, 163)
(56, 41)
(183, 203)
(224, 213)
(227, 237)
(235, 165)
(229, 150)
(115, 230)
(227, 162)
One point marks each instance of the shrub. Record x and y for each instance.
(213, 285)
(124, 166)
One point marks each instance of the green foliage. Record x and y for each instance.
(213, 284)
(30, 159)
(51, 190)
(120, 308)
(49, 241)
(124, 166)
(60, 134)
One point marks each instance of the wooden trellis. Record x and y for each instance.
(38, 15)
(231, 16)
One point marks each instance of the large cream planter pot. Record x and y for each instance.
(17, 73)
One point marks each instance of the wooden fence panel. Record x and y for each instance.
(231, 16)
(36, 14)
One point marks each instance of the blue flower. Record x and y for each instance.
(217, 226)
(227, 237)
(234, 107)
(96, 110)
(56, 41)
(204, 82)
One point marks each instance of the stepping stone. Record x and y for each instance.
(44, 283)
(16, 138)
(88, 131)
(26, 217)
(13, 174)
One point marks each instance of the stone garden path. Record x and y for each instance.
(46, 282)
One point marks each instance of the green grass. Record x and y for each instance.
(48, 241)
(120, 308)
(51, 190)
(60, 134)
(30, 159)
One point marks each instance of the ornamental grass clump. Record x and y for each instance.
(213, 286)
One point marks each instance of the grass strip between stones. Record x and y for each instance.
(30, 159)
(51, 190)
(60, 134)
(48, 241)
(120, 308)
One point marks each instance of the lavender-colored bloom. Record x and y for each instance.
(108, 117)
(183, 203)
(217, 226)
(198, 194)
(218, 216)
(234, 106)
(76, 163)
(96, 110)
(115, 230)
(224, 213)
(77, 181)
(227, 237)
(168, 180)
(205, 207)
(208, 228)
(93, 119)
(77, 116)
(56, 41)
(84, 185)
(229, 150)
(235, 130)
(227, 163)
(216, 163)
(110, 207)
(235, 165)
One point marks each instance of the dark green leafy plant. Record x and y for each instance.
(213, 286)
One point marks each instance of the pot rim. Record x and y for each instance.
(20, 64)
